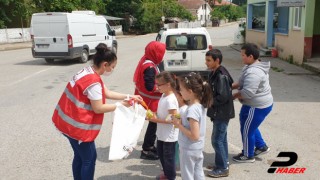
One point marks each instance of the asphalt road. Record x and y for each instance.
(31, 147)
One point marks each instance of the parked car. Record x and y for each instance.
(61, 35)
(185, 50)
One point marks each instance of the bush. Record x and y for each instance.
(232, 13)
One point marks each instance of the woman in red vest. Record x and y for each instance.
(144, 78)
(80, 110)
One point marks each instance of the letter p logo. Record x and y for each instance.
(293, 157)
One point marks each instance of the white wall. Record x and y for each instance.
(117, 29)
(14, 35)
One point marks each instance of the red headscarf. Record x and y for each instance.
(154, 52)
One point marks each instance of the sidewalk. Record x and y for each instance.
(13, 46)
(283, 66)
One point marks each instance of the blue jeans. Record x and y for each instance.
(166, 152)
(84, 159)
(220, 143)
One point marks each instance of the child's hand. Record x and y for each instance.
(176, 120)
(150, 115)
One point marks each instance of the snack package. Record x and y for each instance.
(149, 114)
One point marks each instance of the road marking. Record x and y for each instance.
(27, 77)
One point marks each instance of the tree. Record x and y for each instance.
(173, 9)
(230, 12)
(21, 10)
(150, 20)
(147, 12)
(120, 8)
(216, 13)
(70, 5)
(3, 13)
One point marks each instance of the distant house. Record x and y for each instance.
(290, 26)
(198, 8)
(223, 3)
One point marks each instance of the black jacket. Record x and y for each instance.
(221, 84)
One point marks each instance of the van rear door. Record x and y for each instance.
(177, 56)
(50, 32)
(198, 51)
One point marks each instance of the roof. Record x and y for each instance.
(191, 4)
(111, 18)
(223, 2)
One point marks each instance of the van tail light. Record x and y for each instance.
(210, 47)
(70, 43)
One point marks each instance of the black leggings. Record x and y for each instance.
(150, 136)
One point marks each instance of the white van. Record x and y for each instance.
(185, 50)
(60, 35)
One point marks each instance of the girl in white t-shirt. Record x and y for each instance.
(166, 133)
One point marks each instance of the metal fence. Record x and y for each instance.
(193, 24)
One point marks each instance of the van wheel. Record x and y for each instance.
(49, 61)
(84, 56)
(114, 49)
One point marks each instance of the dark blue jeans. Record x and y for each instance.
(220, 143)
(167, 152)
(84, 159)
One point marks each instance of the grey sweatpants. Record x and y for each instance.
(191, 164)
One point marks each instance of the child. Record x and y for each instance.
(182, 109)
(254, 93)
(166, 133)
(192, 125)
(220, 112)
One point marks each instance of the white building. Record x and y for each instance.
(198, 8)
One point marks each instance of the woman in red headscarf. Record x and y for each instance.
(144, 78)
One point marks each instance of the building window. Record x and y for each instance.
(258, 16)
(200, 17)
(297, 18)
(281, 20)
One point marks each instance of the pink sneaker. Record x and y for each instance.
(161, 177)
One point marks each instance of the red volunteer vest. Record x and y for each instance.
(150, 97)
(74, 115)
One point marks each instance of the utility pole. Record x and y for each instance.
(205, 14)
(162, 17)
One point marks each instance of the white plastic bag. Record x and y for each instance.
(127, 126)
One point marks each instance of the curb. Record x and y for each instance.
(311, 68)
(14, 46)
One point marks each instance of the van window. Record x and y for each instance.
(200, 42)
(186, 42)
(108, 28)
